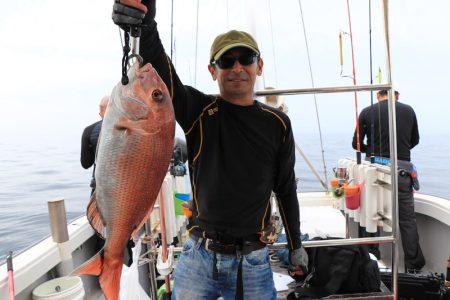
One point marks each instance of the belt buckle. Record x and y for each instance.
(208, 243)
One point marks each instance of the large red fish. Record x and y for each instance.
(133, 155)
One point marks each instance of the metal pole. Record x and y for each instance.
(60, 235)
(58, 221)
(393, 153)
(323, 90)
(324, 243)
(347, 226)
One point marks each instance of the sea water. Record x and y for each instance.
(33, 173)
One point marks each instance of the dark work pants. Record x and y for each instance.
(414, 258)
(408, 227)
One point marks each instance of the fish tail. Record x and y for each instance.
(91, 267)
(110, 278)
(109, 271)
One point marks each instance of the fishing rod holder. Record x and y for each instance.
(165, 267)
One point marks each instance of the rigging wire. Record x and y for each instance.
(314, 95)
(358, 143)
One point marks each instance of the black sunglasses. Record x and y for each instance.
(226, 62)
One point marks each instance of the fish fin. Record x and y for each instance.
(147, 216)
(110, 277)
(94, 217)
(91, 267)
(109, 271)
(132, 126)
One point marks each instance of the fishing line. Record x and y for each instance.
(196, 44)
(273, 46)
(314, 95)
(171, 33)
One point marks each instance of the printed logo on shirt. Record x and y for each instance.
(212, 111)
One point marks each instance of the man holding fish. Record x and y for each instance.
(239, 151)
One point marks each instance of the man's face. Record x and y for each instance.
(236, 74)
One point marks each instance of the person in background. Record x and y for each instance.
(407, 138)
(239, 150)
(89, 141)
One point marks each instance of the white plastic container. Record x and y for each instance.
(63, 288)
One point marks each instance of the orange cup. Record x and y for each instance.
(352, 195)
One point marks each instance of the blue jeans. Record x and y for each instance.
(193, 279)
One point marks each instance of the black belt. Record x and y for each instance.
(243, 246)
(227, 245)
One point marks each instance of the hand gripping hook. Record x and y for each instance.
(165, 268)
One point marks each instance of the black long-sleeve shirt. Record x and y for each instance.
(237, 155)
(407, 130)
(89, 141)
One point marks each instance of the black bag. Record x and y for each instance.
(418, 286)
(339, 270)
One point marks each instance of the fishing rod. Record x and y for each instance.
(372, 112)
(358, 142)
(12, 294)
(196, 43)
(171, 32)
(165, 258)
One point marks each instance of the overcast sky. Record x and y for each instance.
(58, 60)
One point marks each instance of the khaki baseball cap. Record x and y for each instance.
(232, 39)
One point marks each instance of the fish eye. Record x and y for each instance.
(157, 95)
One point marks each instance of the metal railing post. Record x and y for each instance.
(60, 235)
(393, 152)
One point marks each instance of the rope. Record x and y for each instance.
(314, 95)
